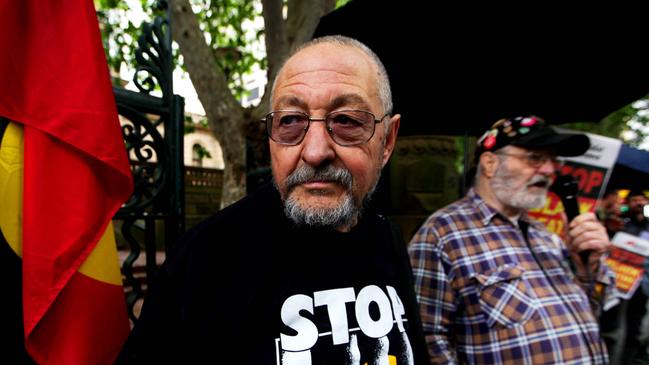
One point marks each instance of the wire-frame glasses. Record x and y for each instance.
(346, 127)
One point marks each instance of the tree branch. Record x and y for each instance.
(303, 17)
(208, 78)
(224, 113)
(275, 36)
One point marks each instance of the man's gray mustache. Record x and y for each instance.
(535, 180)
(306, 173)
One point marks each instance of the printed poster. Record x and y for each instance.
(627, 260)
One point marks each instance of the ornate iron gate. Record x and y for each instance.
(152, 127)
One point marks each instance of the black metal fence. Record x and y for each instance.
(152, 127)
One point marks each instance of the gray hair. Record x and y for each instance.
(385, 94)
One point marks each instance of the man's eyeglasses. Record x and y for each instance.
(535, 159)
(346, 127)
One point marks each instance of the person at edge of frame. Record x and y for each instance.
(494, 285)
(301, 271)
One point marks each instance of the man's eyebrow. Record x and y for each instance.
(355, 100)
(291, 101)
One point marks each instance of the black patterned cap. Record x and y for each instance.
(531, 132)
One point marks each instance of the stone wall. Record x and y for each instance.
(423, 178)
(203, 189)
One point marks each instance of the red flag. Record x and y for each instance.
(76, 175)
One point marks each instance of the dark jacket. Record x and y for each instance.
(248, 279)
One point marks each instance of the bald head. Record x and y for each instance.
(376, 66)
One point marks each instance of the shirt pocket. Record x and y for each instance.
(505, 296)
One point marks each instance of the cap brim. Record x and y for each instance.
(563, 144)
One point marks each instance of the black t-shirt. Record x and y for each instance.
(248, 287)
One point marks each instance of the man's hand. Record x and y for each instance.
(586, 233)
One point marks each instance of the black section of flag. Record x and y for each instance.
(12, 347)
(4, 122)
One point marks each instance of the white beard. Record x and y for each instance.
(504, 185)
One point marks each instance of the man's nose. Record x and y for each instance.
(317, 146)
(547, 167)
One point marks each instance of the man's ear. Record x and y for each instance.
(391, 137)
(489, 163)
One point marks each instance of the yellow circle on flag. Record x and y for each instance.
(102, 264)
(11, 187)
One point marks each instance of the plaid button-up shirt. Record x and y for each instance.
(489, 296)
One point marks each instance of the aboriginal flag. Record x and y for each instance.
(64, 173)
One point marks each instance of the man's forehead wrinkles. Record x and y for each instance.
(292, 73)
(345, 100)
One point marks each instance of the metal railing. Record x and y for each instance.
(152, 127)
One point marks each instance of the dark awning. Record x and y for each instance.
(457, 68)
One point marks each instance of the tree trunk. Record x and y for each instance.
(224, 113)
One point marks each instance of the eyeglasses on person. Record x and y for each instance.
(346, 127)
(535, 159)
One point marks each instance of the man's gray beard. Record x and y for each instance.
(503, 186)
(341, 215)
(338, 216)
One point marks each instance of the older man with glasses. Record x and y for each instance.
(495, 286)
(301, 271)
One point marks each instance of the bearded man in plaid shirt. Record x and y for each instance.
(495, 286)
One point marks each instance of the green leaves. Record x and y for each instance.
(630, 124)
(120, 28)
(233, 29)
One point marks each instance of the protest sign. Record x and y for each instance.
(626, 259)
(592, 171)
